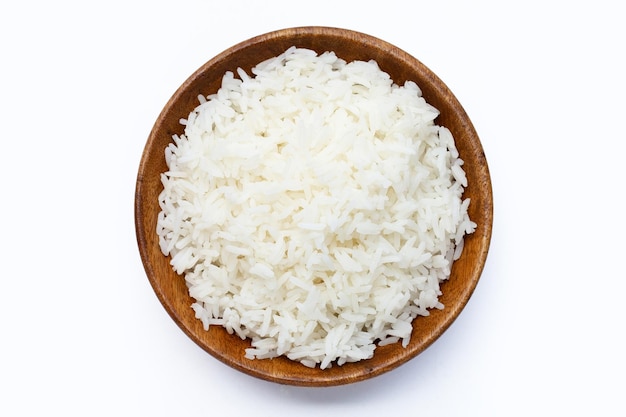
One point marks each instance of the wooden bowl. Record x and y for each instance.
(170, 288)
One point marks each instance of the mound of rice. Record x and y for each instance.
(313, 207)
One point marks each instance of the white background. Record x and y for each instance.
(83, 333)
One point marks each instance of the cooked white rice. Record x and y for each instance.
(313, 207)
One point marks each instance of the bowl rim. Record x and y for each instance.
(331, 376)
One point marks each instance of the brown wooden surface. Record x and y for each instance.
(170, 288)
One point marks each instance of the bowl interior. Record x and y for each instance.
(170, 288)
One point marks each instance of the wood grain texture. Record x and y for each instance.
(349, 45)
